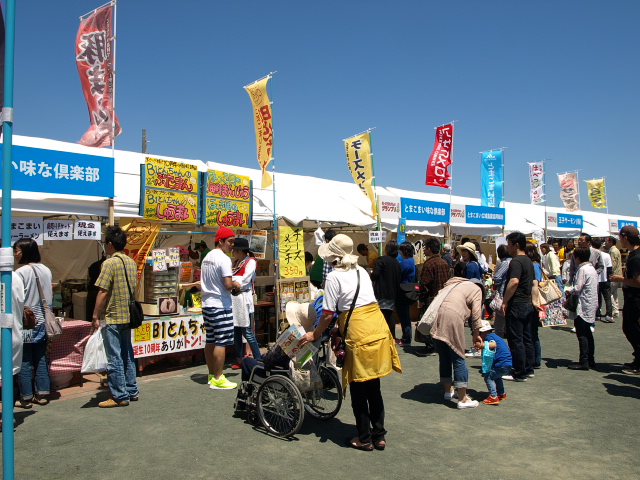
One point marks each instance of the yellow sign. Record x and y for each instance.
(166, 174)
(169, 206)
(597, 193)
(228, 200)
(263, 123)
(291, 252)
(359, 161)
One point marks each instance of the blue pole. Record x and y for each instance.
(6, 319)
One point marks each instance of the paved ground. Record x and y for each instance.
(561, 424)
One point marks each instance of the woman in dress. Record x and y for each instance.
(34, 360)
(370, 351)
(244, 272)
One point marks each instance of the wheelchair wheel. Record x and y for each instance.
(324, 403)
(280, 406)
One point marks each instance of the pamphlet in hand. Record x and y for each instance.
(289, 341)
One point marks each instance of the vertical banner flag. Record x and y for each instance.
(402, 230)
(569, 190)
(597, 193)
(359, 161)
(94, 58)
(536, 176)
(263, 123)
(441, 157)
(491, 173)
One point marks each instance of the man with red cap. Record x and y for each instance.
(630, 239)
(216, 285)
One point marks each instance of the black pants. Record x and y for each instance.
(518, 320)
(585, 341)
(368, 408)
(631, 323)
(391, 321)
(604, 291)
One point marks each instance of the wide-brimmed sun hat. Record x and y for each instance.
(470, 247)
(485, 326)
(302, 315)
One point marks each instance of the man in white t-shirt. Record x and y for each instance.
(216, 285)
(604, 285)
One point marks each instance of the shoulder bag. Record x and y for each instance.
(53, 327)
(338, 343)
(548, 290)
(135, 309)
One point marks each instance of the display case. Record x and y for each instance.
(159, 286)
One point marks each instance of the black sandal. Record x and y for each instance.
(40, 400)
(380, 444)
(351, 442)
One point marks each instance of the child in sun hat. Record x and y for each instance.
(496, 362)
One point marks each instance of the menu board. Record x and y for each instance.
(227, 200)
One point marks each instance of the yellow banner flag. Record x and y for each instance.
(291, 252)
(359, 161)
(597, 193)
(264, 126)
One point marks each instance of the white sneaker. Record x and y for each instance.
(468, 404)
(593, 329)
(474, 353)
(573, 329)
(448, 396)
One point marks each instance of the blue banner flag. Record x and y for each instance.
(402, 230)
(491, 172)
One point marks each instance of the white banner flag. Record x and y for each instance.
(536, 176)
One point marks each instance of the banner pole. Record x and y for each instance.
(6, 319)
(111, 214)
(276, 233)
(375, 193)
(544, 182)
(453, 145)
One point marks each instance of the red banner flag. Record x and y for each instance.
(440, 159)
(94, 57)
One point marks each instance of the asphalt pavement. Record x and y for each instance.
(562, 424)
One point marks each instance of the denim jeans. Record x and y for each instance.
(34, 359)
(120, 361)
(493, 379)
(247, 333)
(405, 319)
(448, 359)
(518, 320)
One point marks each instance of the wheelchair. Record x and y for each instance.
(275, 401)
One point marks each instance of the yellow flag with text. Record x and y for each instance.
(359, 161)
(597, 193)
(263, 122)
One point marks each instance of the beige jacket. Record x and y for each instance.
(463, 302)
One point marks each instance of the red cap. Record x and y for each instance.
(224, 232)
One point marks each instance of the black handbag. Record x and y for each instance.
(571, 303)
(135, 309)
(410, 292)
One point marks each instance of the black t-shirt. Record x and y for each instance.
(633, 269)
(521, 267)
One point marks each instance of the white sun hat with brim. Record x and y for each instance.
(302, 315)
(470, 247)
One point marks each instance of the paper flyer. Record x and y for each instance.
(289, 341)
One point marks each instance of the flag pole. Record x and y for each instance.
(113, 104)
(375, 193)
(6, 253)
(453, 136)
(544, 182)
(276, 231)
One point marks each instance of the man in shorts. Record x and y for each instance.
(216, 285)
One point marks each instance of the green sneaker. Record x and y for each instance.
(222, 384)
(210, 379)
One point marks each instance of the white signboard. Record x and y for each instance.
(377, 236)
(174, 257)
(458, 214)
(88, 230)
(389, 207)
(27, 227)
(163, 335)
(159, 260)
(58, 229)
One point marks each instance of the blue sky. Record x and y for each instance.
(554, 80)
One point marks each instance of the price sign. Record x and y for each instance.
(159, 260)
(174, 257)
(377, 236)
(291, 252)
(292, 271)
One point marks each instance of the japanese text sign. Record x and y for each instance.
(159, 256)
(566, 220)
(389, 207)
(227, 200)
(597, 193)
(27, 227)
(377, 236)
(569, 193)
(536, 181)
(58, 229)
(402, 230)
(624, 223)
(263, 122)
(358, 150)
(174, 257)
(169, 191)
(291, 252)
(88, 230)
(491, 173)
(425, 210)
(53, 171)
(484, 215)
(441, 157)
(168, 335)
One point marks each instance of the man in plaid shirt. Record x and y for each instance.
(115, 295)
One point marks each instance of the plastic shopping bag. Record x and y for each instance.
(95, 356)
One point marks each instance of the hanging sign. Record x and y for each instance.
(291, 252)
(484, 215)
(27, 227)
(173, 259)
(414, 209)
(159, 259)
(227, 200)
(564, 220)
(169, 191)
(378, 236)
(389, 207)
(58, 229)
(87, 230)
